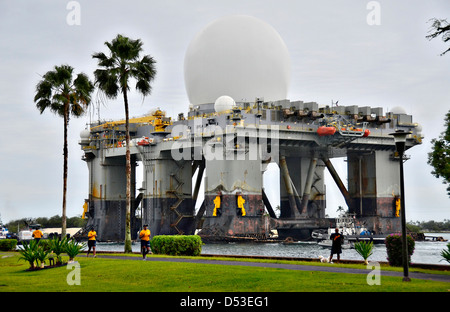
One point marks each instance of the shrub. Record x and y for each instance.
(177, 245)
(446, 253)
(58, 246)
(41, 254)
(29, 252)
(365, 249)
(46, 244)
(394, 249)
(73, 248)
(8, 244)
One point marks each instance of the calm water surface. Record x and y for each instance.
(424, 252)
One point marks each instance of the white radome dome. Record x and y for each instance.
(398, 110)
(419, 128)
(224, 103)
(84, 137)
(85, 134)
(240, 56)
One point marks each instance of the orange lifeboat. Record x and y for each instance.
(143, 142)
(324, 131)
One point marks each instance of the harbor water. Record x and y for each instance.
(428, 252)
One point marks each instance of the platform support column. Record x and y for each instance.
(288, 184)
(308, 185)
(338, 181)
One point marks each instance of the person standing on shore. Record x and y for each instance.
(336, 246)
(92, 241)
(144, 235)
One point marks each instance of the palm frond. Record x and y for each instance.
(42, 104)
(107, 81)
(41, 254)
(122, 64)
(56, 89)
(364, 249)
(81, 96)
(73, 248)
(43, 90)
(446, 253)
(103, 60)
(144, 87)
(144, 72)
(125, 48)
(29, 252)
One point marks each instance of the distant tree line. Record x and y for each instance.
(15, 226)
(429, 226)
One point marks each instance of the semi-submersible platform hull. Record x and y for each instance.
(229, 150)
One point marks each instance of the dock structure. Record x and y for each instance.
(229, 145)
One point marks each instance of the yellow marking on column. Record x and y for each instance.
(216, 205)
(240, 203)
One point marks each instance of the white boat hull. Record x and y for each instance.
(328, 243)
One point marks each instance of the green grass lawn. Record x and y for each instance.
(112, 275)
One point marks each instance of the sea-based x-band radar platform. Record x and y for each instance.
(239, 121)
(230, 150)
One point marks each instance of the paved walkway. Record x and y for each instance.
(330, 268)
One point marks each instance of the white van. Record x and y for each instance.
(25, 235)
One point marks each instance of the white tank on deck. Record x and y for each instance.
(224, 103)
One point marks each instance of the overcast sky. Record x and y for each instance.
(335, 54)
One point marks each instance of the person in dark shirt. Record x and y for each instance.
(336, 247)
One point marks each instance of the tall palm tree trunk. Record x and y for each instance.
(58, 92)
(115, 70)
(66, 156)
(128, 174)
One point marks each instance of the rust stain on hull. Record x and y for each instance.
(229, 220)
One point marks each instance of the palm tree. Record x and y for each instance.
(122, 64)
(63, 95)
(365, 250)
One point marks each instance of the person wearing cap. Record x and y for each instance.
(144, 235)
(92, 241)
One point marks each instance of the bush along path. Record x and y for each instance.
(37, 252)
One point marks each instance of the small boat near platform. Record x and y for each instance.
(352, 233)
